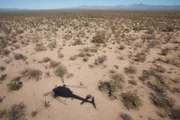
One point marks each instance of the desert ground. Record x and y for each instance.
(126, 62)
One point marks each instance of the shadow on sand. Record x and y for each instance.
(63, 91)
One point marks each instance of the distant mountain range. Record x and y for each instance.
(118, 7)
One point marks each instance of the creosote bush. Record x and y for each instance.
(130, 70)
(17, 112)
(34, 73)
(131, 100)
(100, 60)
(46, 59)
(54, 64)
(52, 45)
(99, 38)
(112, 86)
(39, 47)
(60, 71)
(19, 56)
(15, 84)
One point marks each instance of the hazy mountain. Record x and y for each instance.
(118, 7)
(132, 7)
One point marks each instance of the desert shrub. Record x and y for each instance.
(111, 87)
(85, 59)
(130, 70)
(168, 29)
(150, 31)
(151, 72)
(60, 55)
(46, 59)
(175, 113)
(99, 37)
(164, 51)
(34, 113)
(82, 54)
(74, 57)
(60, 71)
(175, 80)
(54, 64)
(40, 47)
(122, 47)
(125, 116)
(132, 82)
(100, 60)
(161, 101)
(77, 42)
(67, 37)
(17, 112)
(3, 42)
(2, 68)
(140, 57)
(159, 69)
(90, 49)
(34, 73)
(153, 44)
(19, 56)
(52, 45)
(131, 100)
(6, 52)
(2, 113)
(15, 84)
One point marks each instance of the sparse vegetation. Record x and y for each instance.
(134, 54)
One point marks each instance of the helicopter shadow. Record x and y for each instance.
(65, 92)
